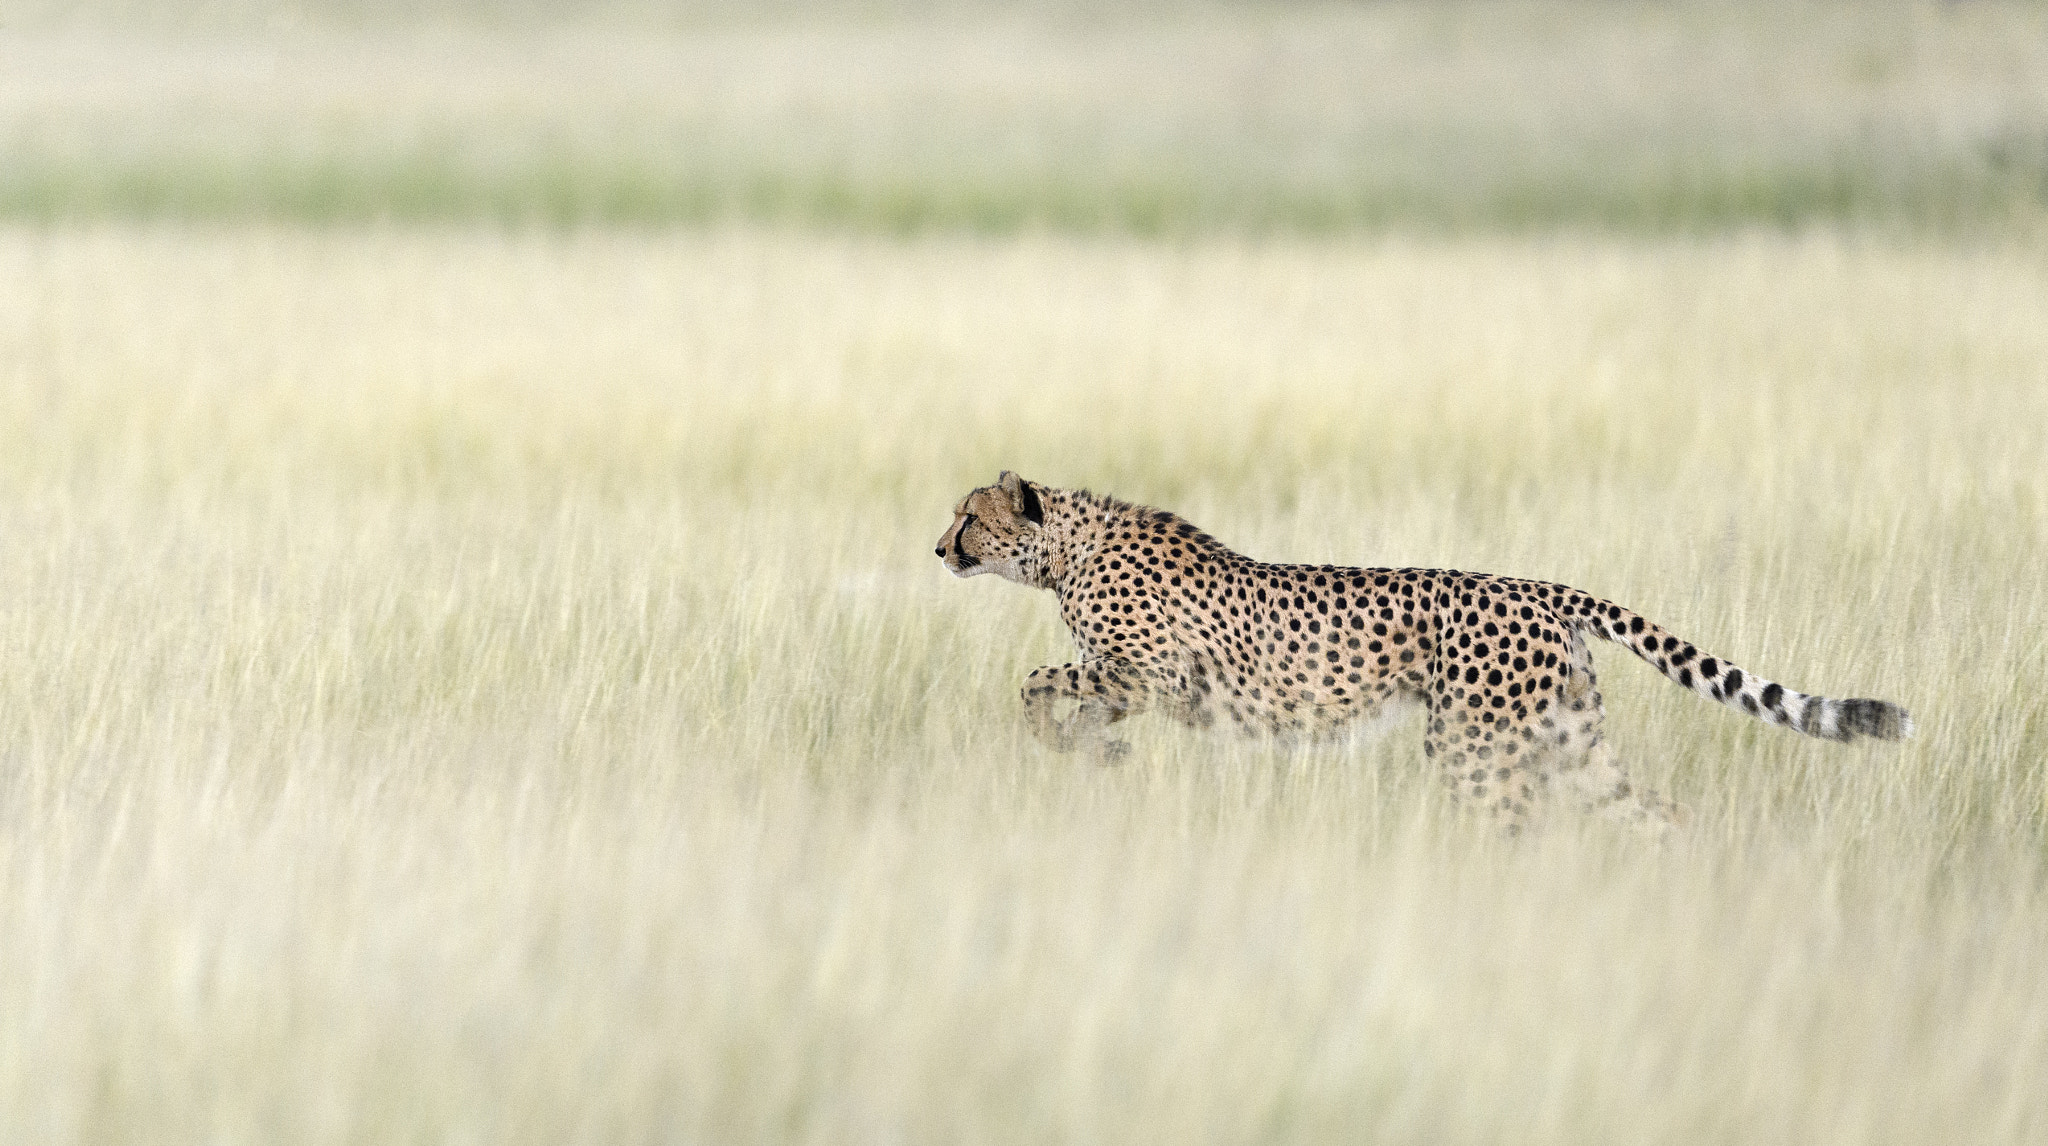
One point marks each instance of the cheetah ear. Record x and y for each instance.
(1023, 498)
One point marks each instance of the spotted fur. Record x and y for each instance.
(1168, 619)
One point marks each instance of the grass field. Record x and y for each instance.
(471, 687)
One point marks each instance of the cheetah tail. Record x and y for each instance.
(1769, 701)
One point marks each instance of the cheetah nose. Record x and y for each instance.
(939, 552)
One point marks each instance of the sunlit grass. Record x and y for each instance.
(463, 687)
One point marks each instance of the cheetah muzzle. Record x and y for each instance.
(1168, 619)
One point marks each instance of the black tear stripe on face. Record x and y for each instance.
(1033, 511)
(967, 560)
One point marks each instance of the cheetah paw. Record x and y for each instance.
(1111, 752)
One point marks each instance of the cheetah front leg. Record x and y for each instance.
(1106, 691)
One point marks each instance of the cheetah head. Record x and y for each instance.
(998, 529)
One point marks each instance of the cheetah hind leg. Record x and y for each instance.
(1491, 775)
(1594, 780)
(1517, 780)
(1581, 768)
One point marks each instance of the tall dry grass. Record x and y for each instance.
(472, 688)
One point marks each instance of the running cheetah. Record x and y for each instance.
(1168, 619)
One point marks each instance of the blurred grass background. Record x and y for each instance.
(468, 686)
(1156, 118)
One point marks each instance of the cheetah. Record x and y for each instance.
(1168, 619)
